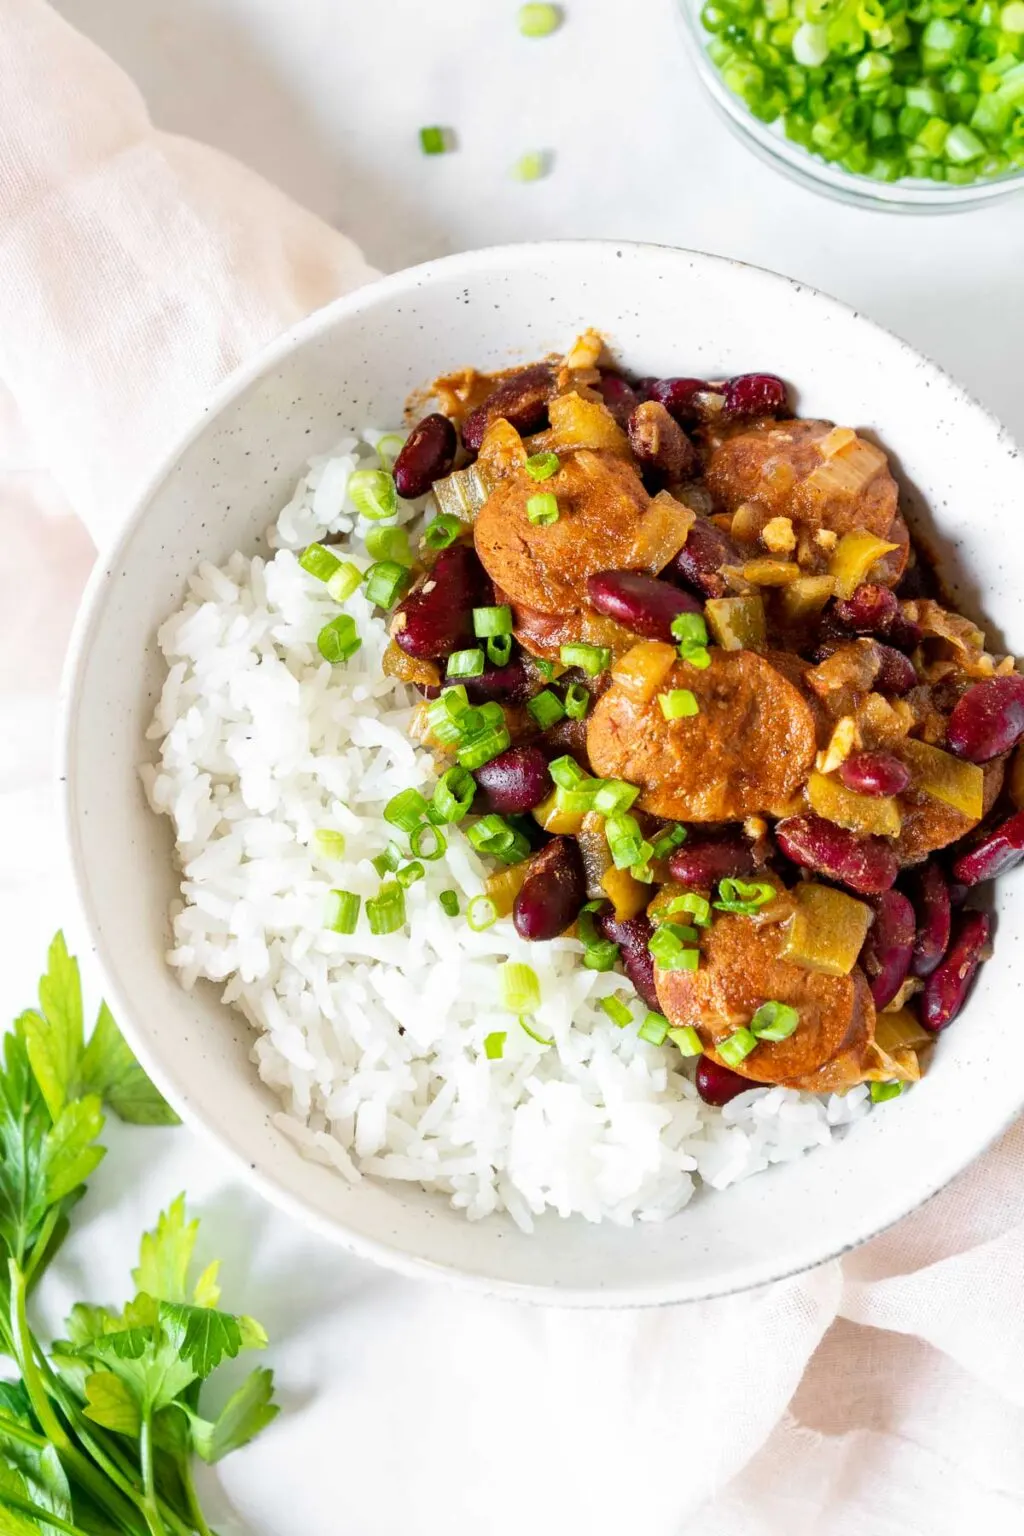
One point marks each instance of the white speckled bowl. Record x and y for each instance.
(664, 311)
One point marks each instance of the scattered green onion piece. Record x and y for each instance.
(387, 862)
(576, 701)
(453, 795)
(626, 842)
(774, 1021)
(643, 872)
(654, 1029)
(697, 907)
(434, 141)
(545, 669)
(406, 810)
(443, 531)
(546, 708)
(541, 466)
(591, 659)
(882, 1091)
(493, 835)
(678, 704)
(445, 716)
(527, 1028)
(696, 656)
(668, 839)
(539, 20)
(389, 544)
(330, 843)
(672, 948)
(689, 629)
(533, 166)
(342, 912)
(388, 447)
(614, 795)
(428, 842)
(617, 1011)
(494, 1045)
(319, 562)
(492, 621)
(338, 641)
(481, 913)
(449, 903)
(499, 650)
(373, 494)
(744, 896)
(347, 579)
(566, 772)
(410, 873)
(385, 583)
(542, 509)
(687, 1040)
(736, 1047)
(482, 746)
(599, 953)
(385, 912)
(466, 663)
(575, 802)
(520, 989)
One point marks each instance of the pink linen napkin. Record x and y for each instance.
(883, 1396)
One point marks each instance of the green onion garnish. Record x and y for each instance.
(385, 583)
(388, 447)
(499, 650)
(539, 20)
(626, 842)
(427, 842)
(687, 1040)
(774, 1021)
(542, 510)
(617, 1011)
(465, 663)
(744, 896)
(546, 669)
(444, 718)
(566, 772)
(654, 1029)
(673, 948)
(385, 912)
(520, 989)
(614, 795)
(736, 1047)
(697, 907)
(443, 531)
(497, 837)
(342, 912)
(546, 708)
(527, 1030)
(492, 621)
(330, 843)
(410, 873)
(482, 745)
(453, 795)
(389, 544)
(533, 166)
(434, 140)
(678, 704)
(387, 862)
(319, 562)
(541, 466)
(882, 1091)
(668, 839)
(692, 634)
(576, 701)
(406, 810)
(449, 903)
(591, 659)
(481, 913)
(345, 580)
(494, 1045)
(338, 640)
(599, 953)
(373, 494)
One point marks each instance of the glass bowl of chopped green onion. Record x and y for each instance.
(917, 109)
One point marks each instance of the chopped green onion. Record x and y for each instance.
(444, 718)
(492, 621)
(387, 862)
(497, 837)
(678, 704)
(542, 510)
(541, 466)
(576, 802)
(465, 663)
(342, 912)
(427, 842)
(774, 1021)
(481, 913)
(882, 1091)
(406, 810)
(566, 772)
(533, 166)
(576, 701)
(744, 896)
(546, 669)
(591, 659)
(389, 544)
(453, 794)
(599, 953)
(449, 903)
(672, 948)
(443, 531)
(494, 1045)
(499, 650)
(696, 656)
(687, 1040)
(338, 641)
(643, 872)
(410, 873)
(689, 629)
(331, 844)
(319, 562)
(736, 1047)
(527, 1030)
(373, 493)
(614, 795)
(668, 839)
(434, 141)
(520, 989)
(654, 1029)
(483, 745)
(546, 708)
(626, 842)
(385, 912)
(539, 20)
(385, 583)
(698, 908)
(388, 447)
(345, 580)
(617, 1011)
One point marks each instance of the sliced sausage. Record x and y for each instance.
(930, 824)
(746, 753)
(741, 968)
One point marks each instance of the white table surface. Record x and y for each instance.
(407, 1407)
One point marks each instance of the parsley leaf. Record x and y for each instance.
(54, 1036)
(109, 1068)
(166, 1253)
(239, 1421)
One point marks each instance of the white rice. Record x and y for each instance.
(376, 1045)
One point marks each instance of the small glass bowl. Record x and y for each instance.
(768, 141)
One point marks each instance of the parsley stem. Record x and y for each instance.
(151, 1507)
(195, 1513)
(11, 1429)
(46, 1517)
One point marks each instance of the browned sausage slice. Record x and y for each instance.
(746, 753)
(740, 969)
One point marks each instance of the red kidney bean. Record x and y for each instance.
(633, 938)
(437, 616)
(512, 782)
(867, 865)
(1001, 850)
(931, 897)
(507, 685)
(659, 442)
(903, 633)
(988, 720)
(553, 892)
(619, 396)
(642, 603)
(869, 611)
(566, 736)
(680, 397)
(896, 673)
(707, 548)
(756, 394)
(427, 455)
(875, 773)
(946, 989)
(889, 946)
(717, 856)
(717, 1084)
(521, 400)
